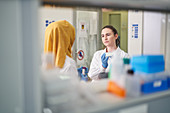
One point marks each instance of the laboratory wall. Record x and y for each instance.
(87, 36)
(49, 14)
(146, 32)
(135, 32)
(153, 32)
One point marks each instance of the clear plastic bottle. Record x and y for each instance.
(121, 73)
(132, 84)
(116, 71)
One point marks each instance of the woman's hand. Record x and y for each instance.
(104, 60)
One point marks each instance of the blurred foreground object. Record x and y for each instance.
(63, 93)
(47, 60)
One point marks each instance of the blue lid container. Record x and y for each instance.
(148, 63)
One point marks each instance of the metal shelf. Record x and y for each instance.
(150, 5)
(156, 102)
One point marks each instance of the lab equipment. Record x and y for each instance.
(168, 82)
(126, 64)
(59, 94)
(154, 86)
(151, 70)
(148, 63)
(114, 88)
(168, 78)
(133, 86)
(116, 72)
(154, 82)
(124, 83)
(104, 60)
(103, 75)
(117, 77)
(82, 72)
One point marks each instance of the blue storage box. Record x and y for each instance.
(148, 63)
(168, 82)
(154, 86)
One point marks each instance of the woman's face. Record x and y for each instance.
(108, 37)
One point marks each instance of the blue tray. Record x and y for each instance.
(154, 86)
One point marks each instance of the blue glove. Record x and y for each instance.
(80, 72)
(104, 60)
(84, 77)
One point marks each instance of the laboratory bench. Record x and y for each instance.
(158, 102)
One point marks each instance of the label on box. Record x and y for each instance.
(157, 83)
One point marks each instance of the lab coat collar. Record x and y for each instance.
(116, 52)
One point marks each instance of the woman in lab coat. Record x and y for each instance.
(59, 38)
(102, 58)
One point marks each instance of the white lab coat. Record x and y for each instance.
(96, 64)
(69, 67)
